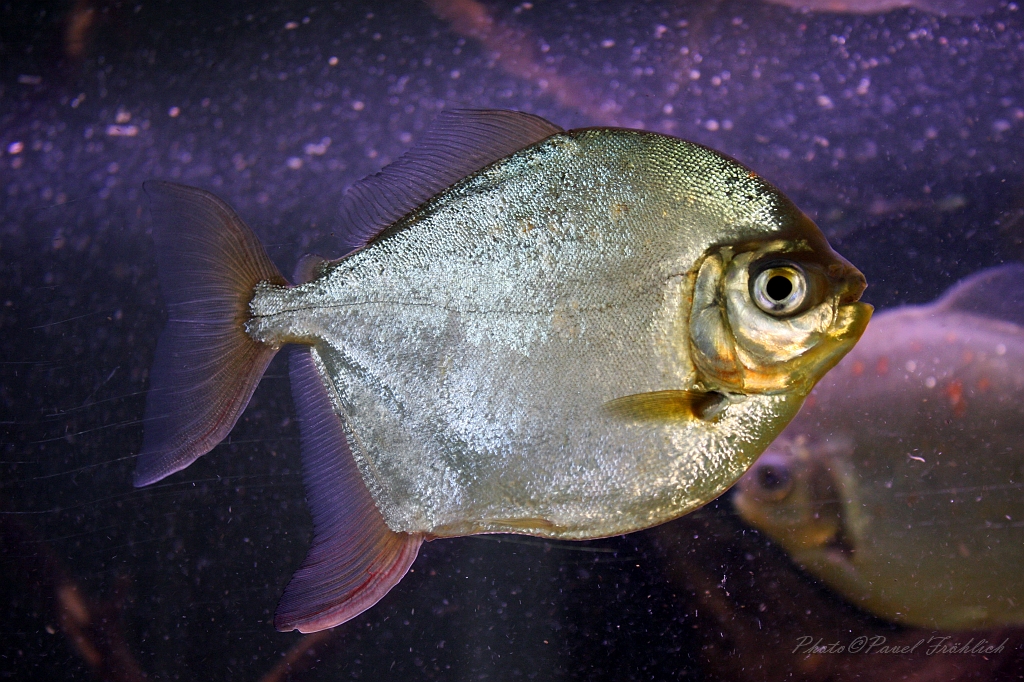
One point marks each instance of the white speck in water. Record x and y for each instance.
(294, 162)
(1000, 125)
(1001, 349)
(122, 131)
(607, 42)
(333, 61)
(291, 26)
(15, 147)
(711, 124)
(825, 102)
(358, 105)
(174, 112)
(318, 149)
(930, 382)
(911, 365)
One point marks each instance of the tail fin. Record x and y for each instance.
(206, 366)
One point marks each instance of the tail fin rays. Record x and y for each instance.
(206, 367)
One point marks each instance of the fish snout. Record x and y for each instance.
(847, 280)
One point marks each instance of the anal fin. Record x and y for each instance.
(355, 559)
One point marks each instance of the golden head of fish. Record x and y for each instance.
(774, 317)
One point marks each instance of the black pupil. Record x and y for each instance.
(772, 477)
(778, 287)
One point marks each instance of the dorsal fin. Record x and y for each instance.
(997, 293)
(458, 144)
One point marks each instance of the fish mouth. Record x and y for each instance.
(847, 284)
(849, 324)
(851, 321)
(852, 315)
(848, 280)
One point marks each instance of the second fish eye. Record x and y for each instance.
(780, 289)
(774, 481)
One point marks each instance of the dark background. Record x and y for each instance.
(899, 133)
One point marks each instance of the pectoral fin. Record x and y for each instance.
(355, 559)
(665, 406)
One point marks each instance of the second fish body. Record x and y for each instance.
(900, 482)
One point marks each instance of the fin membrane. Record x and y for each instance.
(355, 559)
(459, 143)
(206, 367)
(664, 406)
(996, 292)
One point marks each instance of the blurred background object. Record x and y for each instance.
(899, 482)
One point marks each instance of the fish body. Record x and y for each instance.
(488, 329)
(593, 333)
(899, 483)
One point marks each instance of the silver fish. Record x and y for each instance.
(901, 482)
(564, 334)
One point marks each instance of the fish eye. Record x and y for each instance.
(774, 481)
(780, 289)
